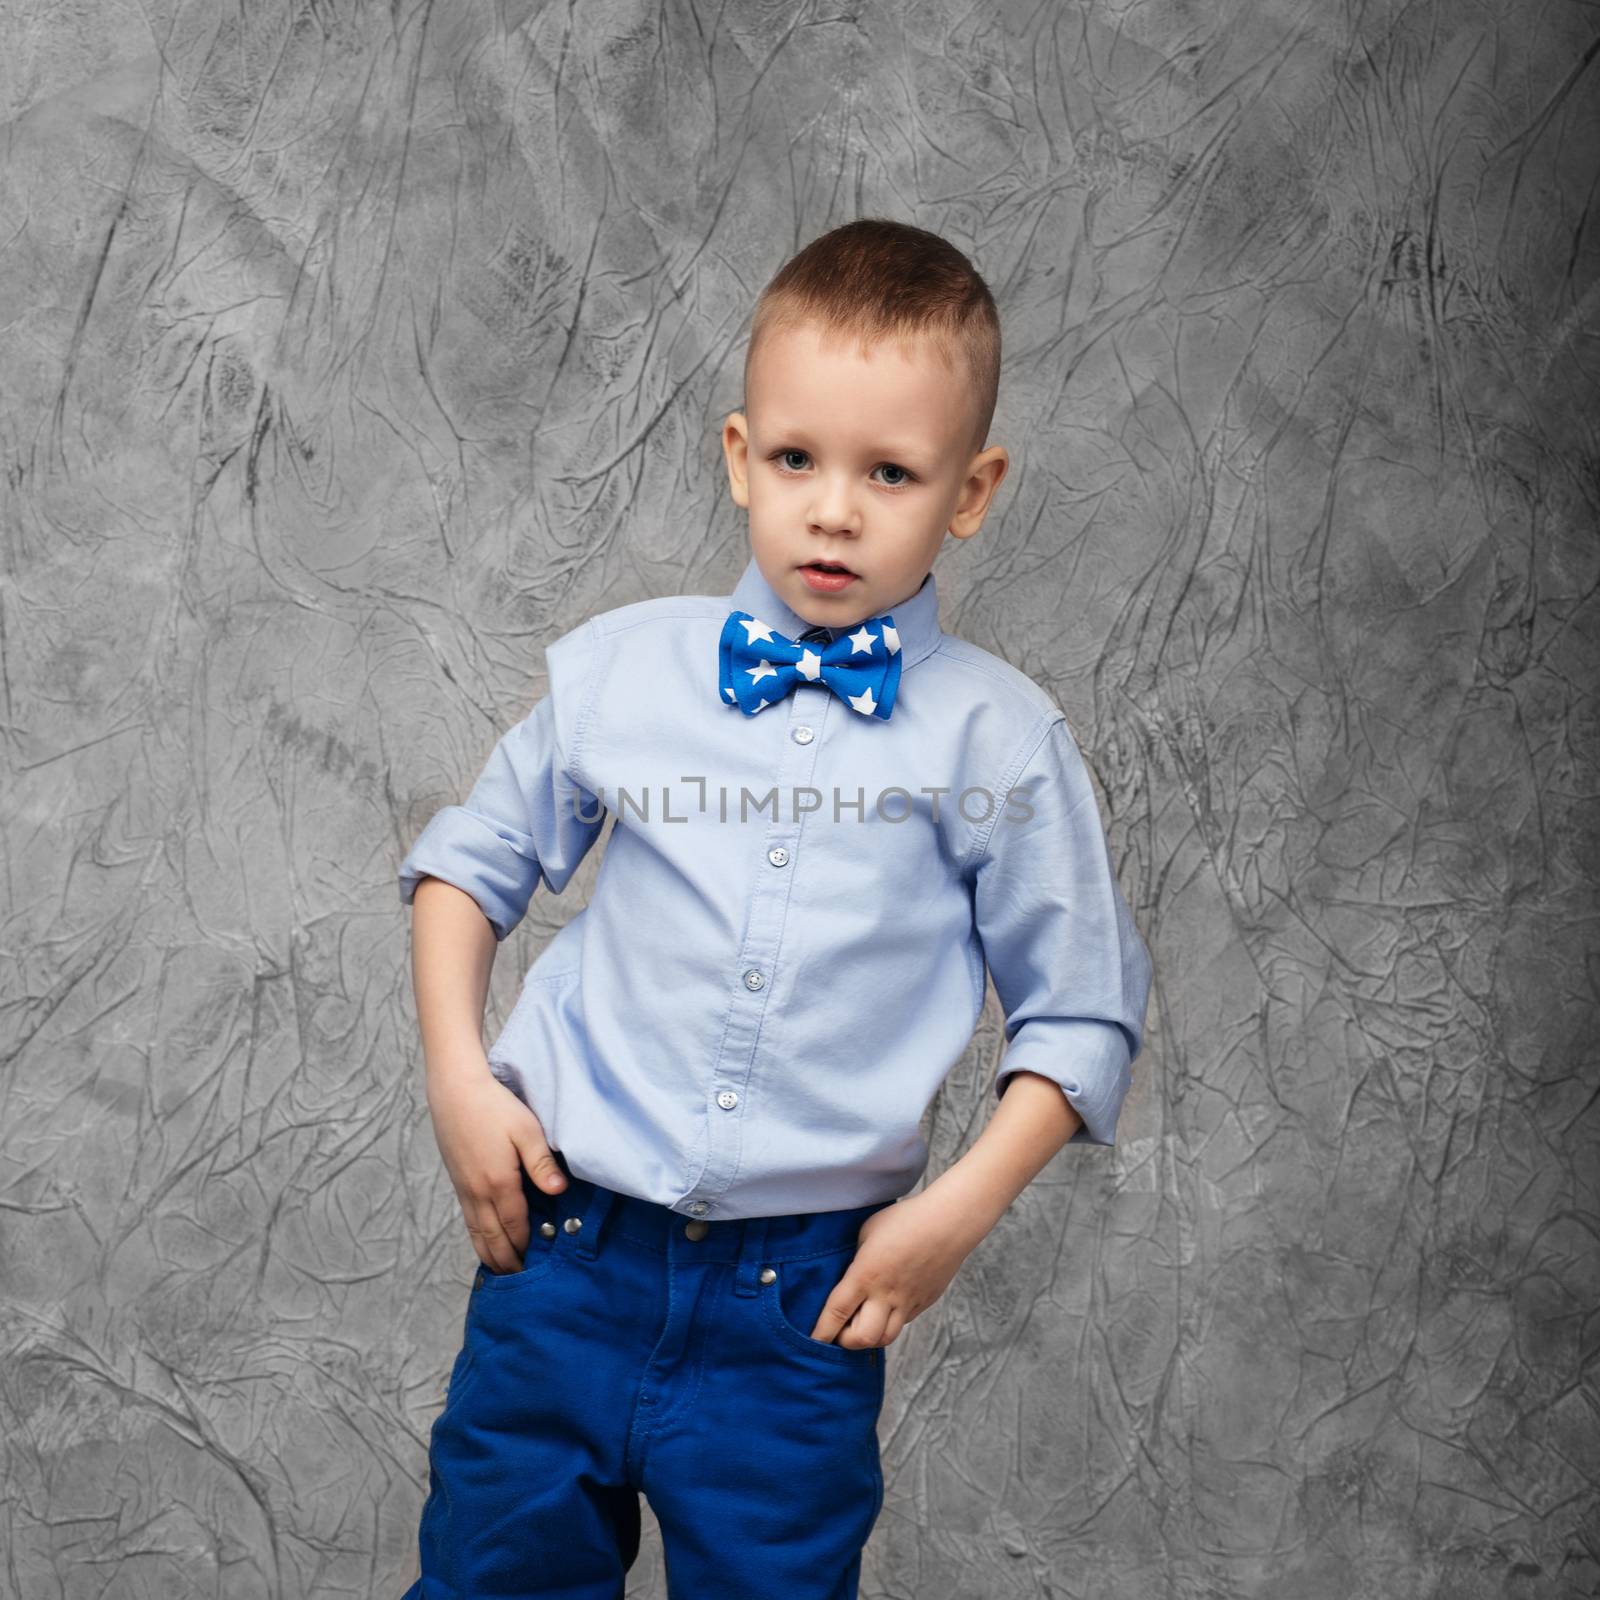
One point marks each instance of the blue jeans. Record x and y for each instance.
(642, 1351)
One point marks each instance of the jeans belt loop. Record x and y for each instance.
(750, 1252)
(594, 1218)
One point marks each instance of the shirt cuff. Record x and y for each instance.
(494, 864)
(1092, 1062)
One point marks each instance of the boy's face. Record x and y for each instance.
(864, 460)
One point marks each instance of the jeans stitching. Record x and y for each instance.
(644, 1418)
(461, 1372)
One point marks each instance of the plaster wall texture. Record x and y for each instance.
(351, 353)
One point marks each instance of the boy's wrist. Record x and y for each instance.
(456, 1063)
(969, 1199)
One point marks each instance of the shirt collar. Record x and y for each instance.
(916, 620)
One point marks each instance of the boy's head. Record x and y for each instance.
(870, 382)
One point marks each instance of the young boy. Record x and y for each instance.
(679, 1162)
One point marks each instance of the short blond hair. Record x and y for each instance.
(878, 279)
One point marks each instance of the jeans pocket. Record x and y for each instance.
(539, 1262)
(541, 1257)
(794, 1299)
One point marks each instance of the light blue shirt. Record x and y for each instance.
(784, 953)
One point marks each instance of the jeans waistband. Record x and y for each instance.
(750, 1242)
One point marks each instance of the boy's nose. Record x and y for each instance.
(833, 507)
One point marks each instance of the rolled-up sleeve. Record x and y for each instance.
(1069, 966)
(528, 820)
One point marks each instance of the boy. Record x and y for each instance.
(680, 1161)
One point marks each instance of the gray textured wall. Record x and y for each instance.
(350, 353)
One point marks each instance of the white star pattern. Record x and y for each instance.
(810, 661)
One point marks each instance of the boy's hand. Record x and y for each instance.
(487, 1137)
(906, 1256)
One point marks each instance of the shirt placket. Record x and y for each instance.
(756, 969)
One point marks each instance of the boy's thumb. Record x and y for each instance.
(546, 1172)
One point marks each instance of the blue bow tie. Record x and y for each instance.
(760, 665)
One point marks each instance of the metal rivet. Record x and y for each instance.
(548, 1229)
(768, 1274)
(696, 1229)
(572, 1224)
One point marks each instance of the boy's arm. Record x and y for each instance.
(1031, 1123)
(452, 955)
(527, 821)
(486, 1136)
(472, 871)
(1070, 969)
(529, 818)
(469, 878)
(1073, 975)
(1069, 965)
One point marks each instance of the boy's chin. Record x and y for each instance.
(845, 611)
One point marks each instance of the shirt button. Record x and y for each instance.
(727, 1099)
(778, 856)
(698, 1205)
(753, 979)
(802, 734)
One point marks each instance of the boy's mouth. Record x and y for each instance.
(828, 577)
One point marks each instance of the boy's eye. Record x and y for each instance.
(795, 461)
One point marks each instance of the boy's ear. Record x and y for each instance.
(983, 478)
(736, 452)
